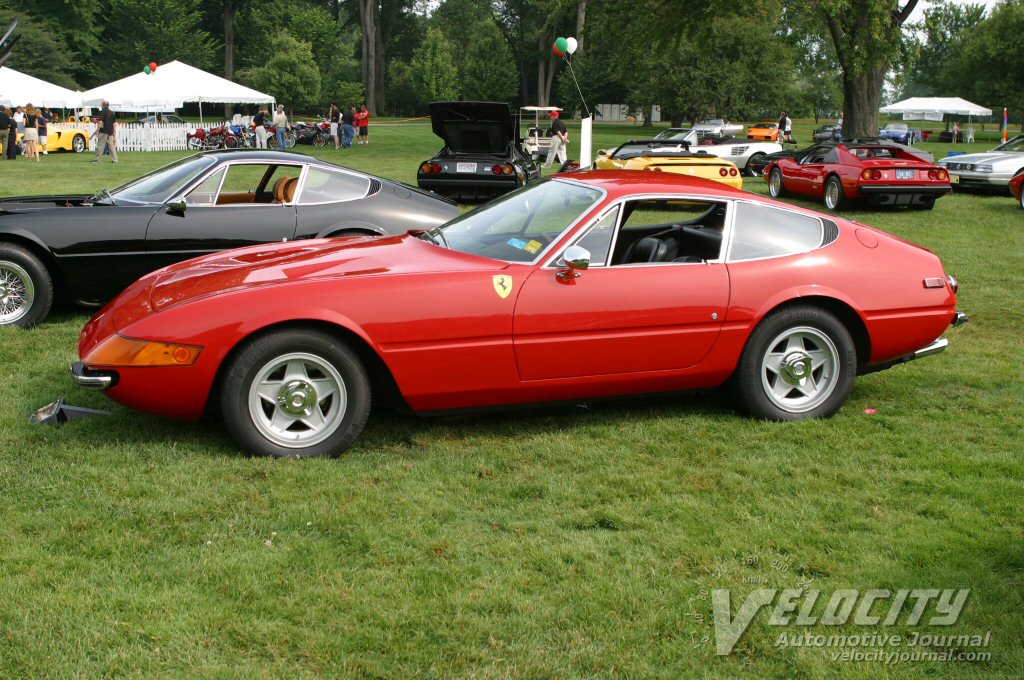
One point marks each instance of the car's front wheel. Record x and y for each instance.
(78, 144)
(775, 185)
(754, 169)
(26, 288)
(800, 362)
(835, 197)
(296, 393)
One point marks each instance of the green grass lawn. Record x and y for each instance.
(554, 543)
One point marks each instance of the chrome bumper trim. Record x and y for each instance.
(960, 318)
(936, 347)
(90, 379)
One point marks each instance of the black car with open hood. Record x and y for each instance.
(482, 156)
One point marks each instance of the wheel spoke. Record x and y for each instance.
(325, 387)
(794, 343)
(296, 370)
(819, 358)
(281, 421)
(773, 362)
(781, 388)
(268, 391)
(315, 420)
(807, 386)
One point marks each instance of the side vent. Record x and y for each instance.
(375, 186)
(829, 233)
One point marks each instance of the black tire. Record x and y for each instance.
(26, 287)
(289, 139)
(927, 204)
(792, 351)
(230, 142)
(776, 187)
(261, 425)
(319, 140)
(835, 196)
(78, 144)
(750, 169)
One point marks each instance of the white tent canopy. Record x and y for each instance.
(170, 86)
(929, 107)
(18, 89)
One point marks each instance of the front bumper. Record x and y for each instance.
(93, 379)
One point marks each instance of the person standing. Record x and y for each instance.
(789, 128)
(259, 122)
(348, 121)
(5, 125)
(12, 140)
(281, 123)
(106, 134)
(956, 131)
(335, 118)
(31, 137)
(559, 140)
(44, 120)
(363, 119)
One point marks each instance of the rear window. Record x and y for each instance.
(761, 231)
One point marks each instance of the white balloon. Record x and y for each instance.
(572, 45)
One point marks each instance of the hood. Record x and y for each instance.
(989, 157)
(301, 261)
(473, 127)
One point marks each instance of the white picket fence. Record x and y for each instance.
(141, 136)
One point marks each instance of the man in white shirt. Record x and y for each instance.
(281, 123)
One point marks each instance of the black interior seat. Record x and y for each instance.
(650, 249)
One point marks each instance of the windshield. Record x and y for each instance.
(1015, 144)
(161, 184)
(521, 225)
(896, 126)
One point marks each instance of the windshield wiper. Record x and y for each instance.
(432, 237)
(102, 196)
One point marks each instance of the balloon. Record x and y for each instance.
(571, 45)
(152, 66)
(561, 45)
(147, 69)
(558, 51)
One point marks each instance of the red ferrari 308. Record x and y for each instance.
(583, 286)
(875, 172)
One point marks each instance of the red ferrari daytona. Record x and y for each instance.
(583, 286)
(874, 171)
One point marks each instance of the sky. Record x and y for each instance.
(918, 13)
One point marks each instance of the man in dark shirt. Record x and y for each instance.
(106, 134)
(559, 140)
(5, 124)
(348, 121)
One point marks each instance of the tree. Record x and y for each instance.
(40, 52)
(379, 20)
(290, 74)
(140, 31)
(932, 70)
(433, 69)
(487, 70)
(994, 48)
(866, 35)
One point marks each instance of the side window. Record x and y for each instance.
(598, 240)
(244, 183)
(670, 231)
(326, 186)
(761, 231)
(206, 192)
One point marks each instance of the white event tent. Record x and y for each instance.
(169, 87)
(18, 89)
(934, 108)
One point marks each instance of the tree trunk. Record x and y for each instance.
(230, 9)
(581, 22)
(369, 17)
(542, 75)
(648, 116)
(862, 96)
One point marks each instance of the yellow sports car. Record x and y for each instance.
(763, 132)
(65, 139)
(659, 155)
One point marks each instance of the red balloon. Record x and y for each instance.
(152, 66)
(557, 51)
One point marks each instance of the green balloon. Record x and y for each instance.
(147, 69)
(562, 44)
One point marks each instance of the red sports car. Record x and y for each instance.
(587, 285)
(1017, 188)
(872, 171)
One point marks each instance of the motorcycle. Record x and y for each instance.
(214, 138)
(289, 136)
(244, 137)
(316, 134)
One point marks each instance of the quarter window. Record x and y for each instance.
(326, 186)
(206, 192)
(761, 231)
(598, 240)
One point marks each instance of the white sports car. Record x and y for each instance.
(993, 168)
(716, 127)
(739, 151)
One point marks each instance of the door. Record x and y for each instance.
(807, 172)
(242, 204)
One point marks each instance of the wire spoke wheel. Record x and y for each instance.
(297, 400)
(17, 292)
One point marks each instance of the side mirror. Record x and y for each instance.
(177, 208)
(602, 152)
(576, 259)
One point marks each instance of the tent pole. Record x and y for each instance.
(200, 112)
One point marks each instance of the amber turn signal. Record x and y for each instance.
(118, 350)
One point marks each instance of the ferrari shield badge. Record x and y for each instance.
(502, 285)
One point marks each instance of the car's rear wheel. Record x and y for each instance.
(800, 362)
(775, 185)
(755, 159)
(26, 288)
(296, 393)
(78, 144)
(835, 198)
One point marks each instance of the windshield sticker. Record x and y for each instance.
(517, 243)
(532, 247)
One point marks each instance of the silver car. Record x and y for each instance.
(993, 168)
(739, 151)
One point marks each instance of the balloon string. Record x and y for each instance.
(576, 82)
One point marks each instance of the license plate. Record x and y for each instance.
(904, 174)
(954, 179)
(465, 167)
